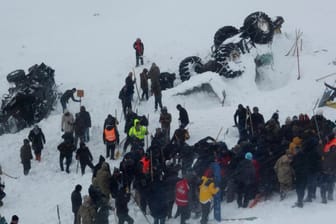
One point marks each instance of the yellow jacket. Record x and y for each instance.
(139, 134)
(207, 191)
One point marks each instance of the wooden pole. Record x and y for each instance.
(298, 56)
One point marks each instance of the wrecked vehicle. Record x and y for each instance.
(230, 43)
(31, 98)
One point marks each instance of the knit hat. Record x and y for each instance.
(15, 219)
(248, 156)
(78, 187)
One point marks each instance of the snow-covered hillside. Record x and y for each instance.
(89, 44)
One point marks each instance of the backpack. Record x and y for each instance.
(122, 93)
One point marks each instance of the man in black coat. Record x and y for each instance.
(126, 99)
(157, 201)
(241, 115)
(76, 201)
(183, 118)
(170, 179)
(26, 156)
(245, 178)
(85, 116)
(79, 127)
(116, 182)
(300, 166)
(255, 121)
(66, 149)
(85, 157)
(144, 84)
(110, 120)
(314, 164)
(37, 139)
(66, 96)
(121, 202)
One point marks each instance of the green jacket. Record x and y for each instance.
(139, 134)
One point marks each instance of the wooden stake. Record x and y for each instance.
(298, 58)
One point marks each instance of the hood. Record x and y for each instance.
(136, 121)
(297, 141)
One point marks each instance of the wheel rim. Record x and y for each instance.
(263, 25)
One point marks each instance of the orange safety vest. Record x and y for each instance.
(145, 165)
(329, 145)
(110, 135)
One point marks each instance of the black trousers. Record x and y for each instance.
(83, 165)
(128, 141)
(76, 217)
(205, 212)
(110, 148)
(26, 167)
(159, 220)
(68, 160)
(312, 185)
(245, 193)
(158, 101)
(327, 186)
(184, 211)
(125, 218)
(144, 93)
(139, 58)
(301, 183)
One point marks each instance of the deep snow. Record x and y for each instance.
(89, 44)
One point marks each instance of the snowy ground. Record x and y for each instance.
(89, 44)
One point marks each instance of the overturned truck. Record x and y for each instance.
(230, 43)
(31, 98)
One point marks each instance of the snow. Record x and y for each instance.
(89, 44)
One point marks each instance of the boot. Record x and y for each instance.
(299, 204)
(308, 199)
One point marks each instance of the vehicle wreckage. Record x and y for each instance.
(230, 43)
(30, 99)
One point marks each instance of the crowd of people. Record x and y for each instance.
(268, 158)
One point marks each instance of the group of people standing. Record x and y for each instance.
(299, 154)
(127, 91)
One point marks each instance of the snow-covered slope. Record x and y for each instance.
(89, 44)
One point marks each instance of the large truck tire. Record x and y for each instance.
(188, 66)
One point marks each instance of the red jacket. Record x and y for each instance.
(329, 144)
(145, 165)
(182, 192)
(139, 47)
(257, 169)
